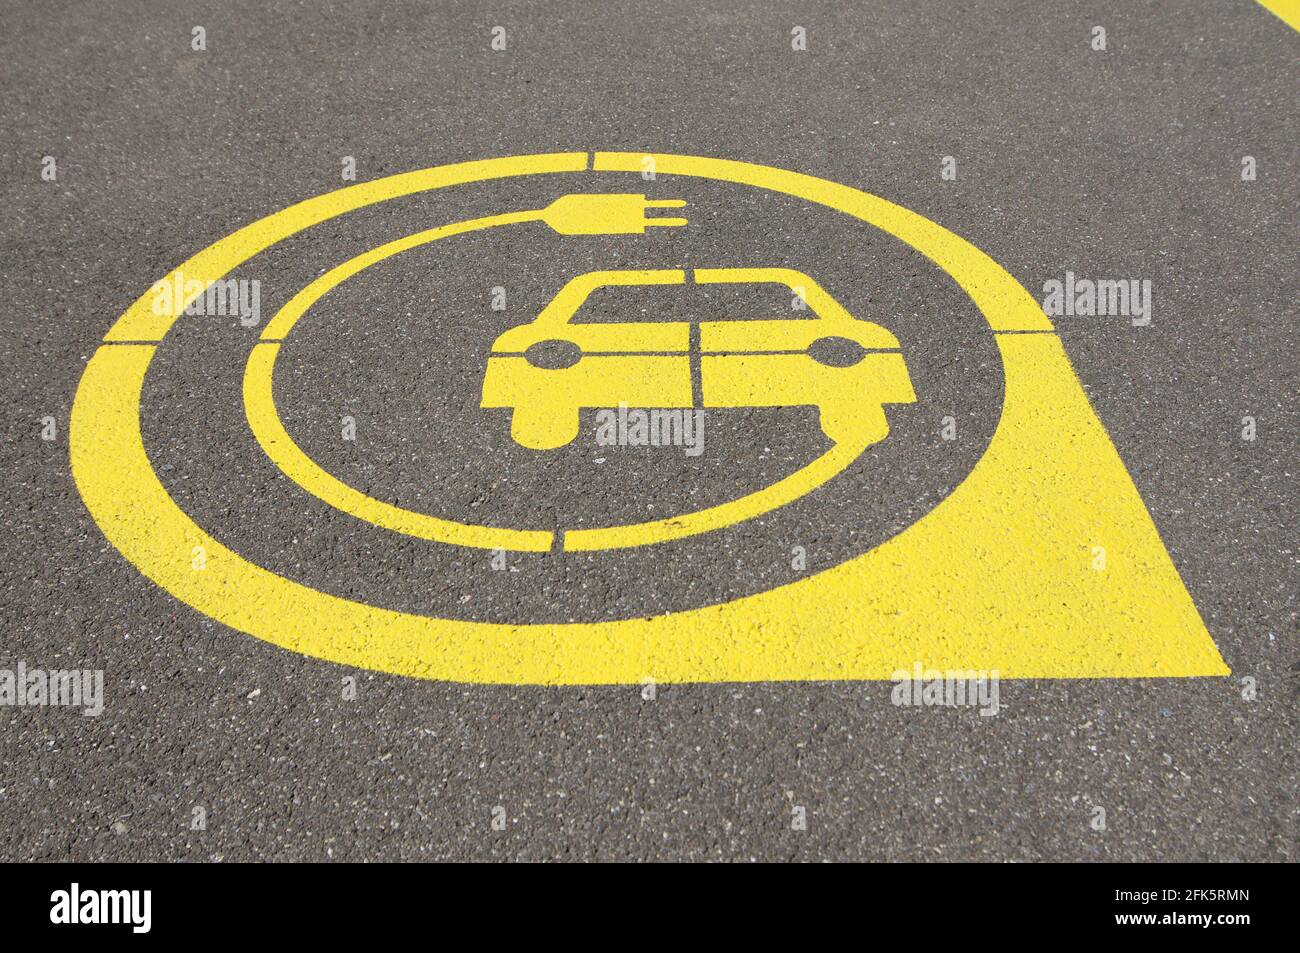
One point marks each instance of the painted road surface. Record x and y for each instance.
(695, 435)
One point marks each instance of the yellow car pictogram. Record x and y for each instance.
(548, 370)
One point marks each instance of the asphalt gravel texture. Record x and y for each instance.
(1124, 162)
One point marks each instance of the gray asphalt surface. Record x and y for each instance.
(1122, 163)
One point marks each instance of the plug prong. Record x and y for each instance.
(665, 203)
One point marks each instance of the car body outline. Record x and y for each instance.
(763, 362)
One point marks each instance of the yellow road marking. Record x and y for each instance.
(1288, 11)
(997, 576)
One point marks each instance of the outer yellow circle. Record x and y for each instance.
(770, 635)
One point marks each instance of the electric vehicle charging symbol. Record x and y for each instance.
(737, 363)
(994, 577)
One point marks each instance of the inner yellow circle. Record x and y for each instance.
(270, 433)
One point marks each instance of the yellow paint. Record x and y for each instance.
(997, 576)
(606, 214)
(1288, 11)
(546, 402)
